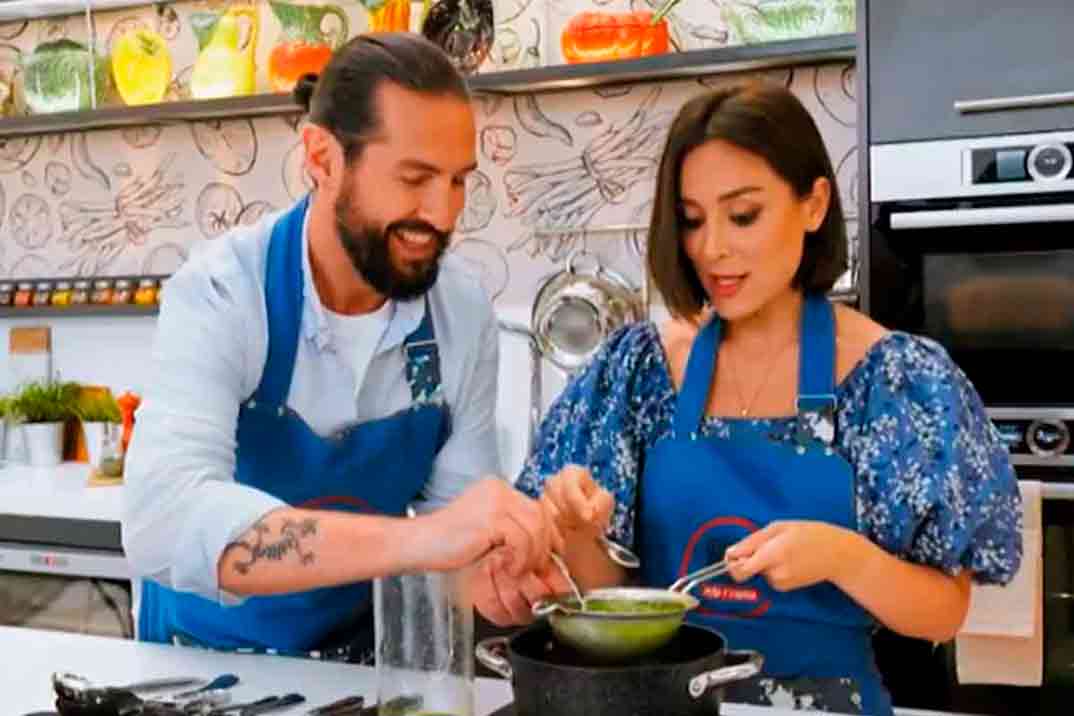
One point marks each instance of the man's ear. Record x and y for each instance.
(324, 158)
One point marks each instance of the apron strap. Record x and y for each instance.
(423, 361)
(816, 369)
(700, 366)
(284, 289)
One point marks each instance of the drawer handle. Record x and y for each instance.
(999, 104)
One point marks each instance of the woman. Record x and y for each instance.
(849, 474)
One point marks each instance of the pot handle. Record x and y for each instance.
(490, 652)
(752, 662)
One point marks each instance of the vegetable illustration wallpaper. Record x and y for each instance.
(554, 168)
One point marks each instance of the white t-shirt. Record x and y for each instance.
(357, 338)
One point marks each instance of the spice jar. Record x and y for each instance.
(24, 295)
(80, 296)
(42, 293)
(62, 295)
(146, 295)
(102, 292)
(7, 294)
(124, 292)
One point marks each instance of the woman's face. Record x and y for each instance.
(743, 227)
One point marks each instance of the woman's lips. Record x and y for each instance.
(727, 285)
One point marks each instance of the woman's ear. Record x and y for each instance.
(324, 158)
(817, 203)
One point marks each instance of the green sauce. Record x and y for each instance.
(629, 606)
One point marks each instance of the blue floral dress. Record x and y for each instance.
(934, 482)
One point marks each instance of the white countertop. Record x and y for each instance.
(31, 656)
(59, 492)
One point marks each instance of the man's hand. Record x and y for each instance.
(490, 515)
(508, 601)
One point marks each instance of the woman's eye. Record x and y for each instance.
(413, 181)
(690, 223)
(745, 218)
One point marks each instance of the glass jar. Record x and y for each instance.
(24, 295)
(146, 295)
(42, 293)
(80, 296)
(424, 635)
(124, 292)
(102, 292)
(7, 294)
(62, 295)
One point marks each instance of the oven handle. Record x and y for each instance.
(999, 215)
(1057, 491)
(996, 104)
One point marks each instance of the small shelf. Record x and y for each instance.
(126, 309)
(163, 113)
(674, 65)
(677, 65)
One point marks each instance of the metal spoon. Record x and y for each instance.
(620, 554)
(570, 580)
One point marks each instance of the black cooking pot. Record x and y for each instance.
(683, 678)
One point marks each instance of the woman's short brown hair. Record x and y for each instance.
(769, 121)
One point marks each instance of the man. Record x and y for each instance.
(320, 372)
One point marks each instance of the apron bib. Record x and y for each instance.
(701, 494)
(376, 467)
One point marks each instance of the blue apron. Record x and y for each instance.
(377, 467)
(700, 494)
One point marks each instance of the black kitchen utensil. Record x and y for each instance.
(342, 707)
(261, 706)
(685, 677)
(224, 681)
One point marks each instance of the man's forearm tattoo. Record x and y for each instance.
(261, 544)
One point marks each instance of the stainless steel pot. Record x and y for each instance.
(576, 309)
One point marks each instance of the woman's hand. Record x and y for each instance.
(577, 502)
(792, 555)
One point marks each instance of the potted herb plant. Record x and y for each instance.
(43, 407)
(7, 416)
(99, 414)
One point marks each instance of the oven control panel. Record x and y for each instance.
(1043, 437)
(1045, 162)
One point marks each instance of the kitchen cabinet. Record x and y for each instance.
(962, 51)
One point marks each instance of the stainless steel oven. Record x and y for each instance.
(971, 243)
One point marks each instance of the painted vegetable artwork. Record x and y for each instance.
(57, 78)
(605, 36)
(304, 45)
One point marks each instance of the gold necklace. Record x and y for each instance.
(746, 407)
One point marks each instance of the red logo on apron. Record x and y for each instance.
(727, 593)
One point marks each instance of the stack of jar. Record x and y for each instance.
(80, 292)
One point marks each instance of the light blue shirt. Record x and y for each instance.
(182, 505)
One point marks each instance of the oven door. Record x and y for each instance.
(992, 281)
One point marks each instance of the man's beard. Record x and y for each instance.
(370, 252)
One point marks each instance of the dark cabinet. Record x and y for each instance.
(926, 55)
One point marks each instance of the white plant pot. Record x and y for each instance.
(98, 436)
(44, 443)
